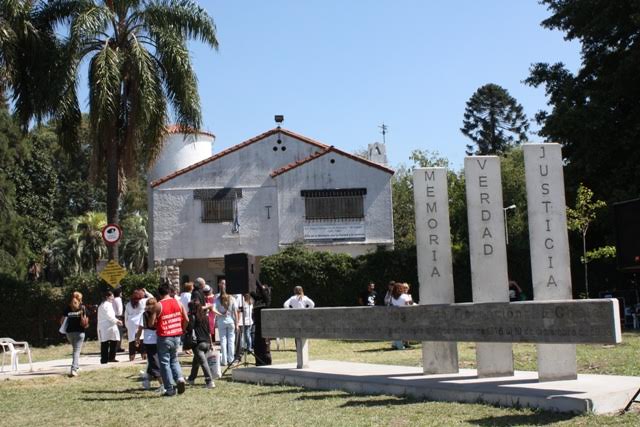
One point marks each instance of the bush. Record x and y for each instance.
(326, 277)
(32, 310)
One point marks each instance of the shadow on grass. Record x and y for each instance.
(132, 393)
(376, 350)
(380, 402)
(323, 396)
(292, 390)
(127, 390)
(534, 419)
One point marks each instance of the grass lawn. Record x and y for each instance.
(114, 397)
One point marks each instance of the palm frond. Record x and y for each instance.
(184, 16)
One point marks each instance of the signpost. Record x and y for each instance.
(113, 273)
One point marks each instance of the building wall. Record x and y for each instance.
(344, 172)
(178, 232)
(177, 229)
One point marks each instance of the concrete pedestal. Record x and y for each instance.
(589, 393)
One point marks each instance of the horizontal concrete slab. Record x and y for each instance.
(600, 394)
(570, 321)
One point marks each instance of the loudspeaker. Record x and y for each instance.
(627, 221)
(240, 273)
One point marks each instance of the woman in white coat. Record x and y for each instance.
(108, 332)
(132, 317)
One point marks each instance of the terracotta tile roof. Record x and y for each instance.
(330, 149)
(177, 129)
(236, 148)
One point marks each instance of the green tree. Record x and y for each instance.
(35, 177)
(14, 251)
(28, 57)
(494, 121)
(595, 113)
(580, 218)
(404, 219)
(138, 66)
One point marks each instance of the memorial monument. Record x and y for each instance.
(553, 321)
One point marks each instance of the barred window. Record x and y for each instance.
(218, 205)
(217, 210)
(334, 204)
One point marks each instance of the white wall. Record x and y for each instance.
(345, 172)
(178, 231)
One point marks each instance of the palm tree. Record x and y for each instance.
(28, 61)
(87, 246)
(139, 66)
(135, 242)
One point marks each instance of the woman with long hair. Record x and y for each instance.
(299, 300)
(147, 329)
(400, 298)
(75, 314)
(227, 323)
(199, 324)
(108, 332)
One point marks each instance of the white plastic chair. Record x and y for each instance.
(14, 349)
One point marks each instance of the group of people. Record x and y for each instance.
(398, 294)
(156, 329)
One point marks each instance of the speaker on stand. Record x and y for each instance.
(241, 271)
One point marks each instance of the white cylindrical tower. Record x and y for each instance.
(181, 150)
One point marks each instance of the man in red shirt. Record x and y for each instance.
(172, 320)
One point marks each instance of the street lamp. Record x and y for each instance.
(506, 229)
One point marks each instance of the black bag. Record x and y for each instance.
(189, 339)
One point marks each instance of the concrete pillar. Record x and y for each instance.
(549, 243)
(435, 271)
(302, 353)
(488, 251)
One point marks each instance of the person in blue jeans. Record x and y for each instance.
(227, 324)
(172, 319)
(74, 312)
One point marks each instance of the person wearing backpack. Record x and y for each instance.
(199, 333)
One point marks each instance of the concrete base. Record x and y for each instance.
(589, 393)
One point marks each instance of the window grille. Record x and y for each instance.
(334, 204)
(217, 210)
(217, 204)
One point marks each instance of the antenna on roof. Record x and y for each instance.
(279, 118)
(383, 131)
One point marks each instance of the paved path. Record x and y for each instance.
(62, 366)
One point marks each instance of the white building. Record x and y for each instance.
(265, 193)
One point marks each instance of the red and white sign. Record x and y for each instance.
(111, 234)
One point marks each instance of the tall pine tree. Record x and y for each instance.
(494, 121)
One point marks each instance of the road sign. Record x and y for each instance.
(111, 234)
(113, 273)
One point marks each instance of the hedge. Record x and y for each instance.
(32, 310)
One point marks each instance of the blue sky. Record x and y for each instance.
(338, 69)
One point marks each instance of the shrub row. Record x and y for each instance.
(32, 310)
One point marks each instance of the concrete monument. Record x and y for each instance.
(435, 270)
(488, 252)
(549, 245)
